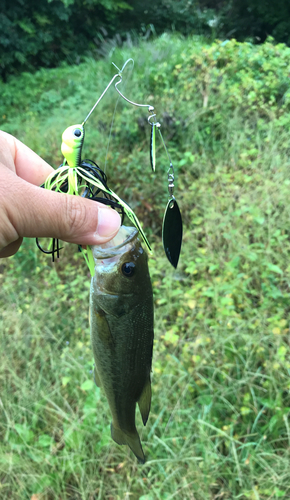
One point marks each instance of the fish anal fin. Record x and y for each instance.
(132, 440)
(97, 378)
(144, 402)
(117, 435)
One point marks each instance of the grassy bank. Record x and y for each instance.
(219, 425)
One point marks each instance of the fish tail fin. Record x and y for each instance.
(144, 402)
(132, 440)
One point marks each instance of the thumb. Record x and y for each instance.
(30, 211)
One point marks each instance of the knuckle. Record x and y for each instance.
(8, 232)
(76, 214)
(8, 226)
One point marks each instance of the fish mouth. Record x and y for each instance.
(115, 246)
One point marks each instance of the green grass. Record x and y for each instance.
(219, 423)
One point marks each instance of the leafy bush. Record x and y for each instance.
(256, 19)
(44, 33)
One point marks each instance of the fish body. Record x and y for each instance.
(121, 319)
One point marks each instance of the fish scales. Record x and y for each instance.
(121, 318)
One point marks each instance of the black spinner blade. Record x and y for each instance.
(172, 232)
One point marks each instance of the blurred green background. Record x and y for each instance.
(219, 422)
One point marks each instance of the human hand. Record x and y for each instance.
(26, 210)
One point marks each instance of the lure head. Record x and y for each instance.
(72, 142)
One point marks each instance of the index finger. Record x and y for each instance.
(28, 165)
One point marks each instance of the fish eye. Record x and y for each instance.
(128, 269)
(77, 132)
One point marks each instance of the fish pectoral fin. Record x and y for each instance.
(103, 328)
(144, 402)
(132, 440)
(97, 378)
(116, 305)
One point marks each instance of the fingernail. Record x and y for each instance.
(108, 222)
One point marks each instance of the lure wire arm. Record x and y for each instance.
(119, 74)
(150, 108)
(101, 96)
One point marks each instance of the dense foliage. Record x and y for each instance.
(219, 425)
(42, 33)
(256, 19)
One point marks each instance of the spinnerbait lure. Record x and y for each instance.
(85, 178)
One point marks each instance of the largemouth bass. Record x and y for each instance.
(121, 319)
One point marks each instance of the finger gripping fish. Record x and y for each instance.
(121, 319)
